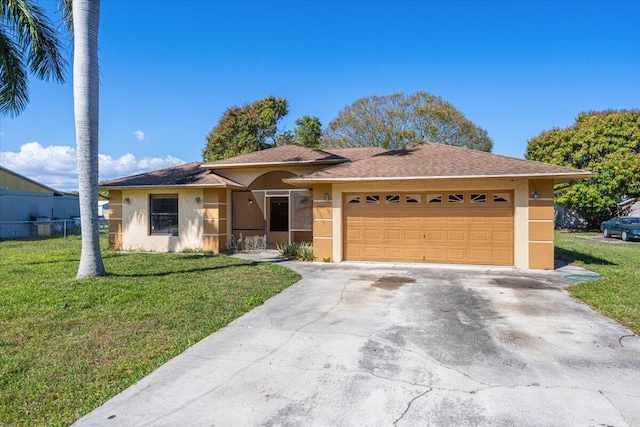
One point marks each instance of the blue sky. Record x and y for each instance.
(171, 68)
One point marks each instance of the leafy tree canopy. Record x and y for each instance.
(397, 120)
(607, 143)
(245, 129)
(308, 133)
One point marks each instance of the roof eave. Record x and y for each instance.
(134, 187)
(267, 164)
(558, 177)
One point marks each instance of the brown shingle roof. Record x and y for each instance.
(190, 174)
(285, 154)
(355, 153)
(429, 160)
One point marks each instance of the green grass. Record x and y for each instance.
(66, 346)
(618, 294)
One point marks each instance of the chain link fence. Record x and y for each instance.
(39, 229)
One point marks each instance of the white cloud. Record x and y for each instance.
(2, 134)
(55, 165)
(139, 135)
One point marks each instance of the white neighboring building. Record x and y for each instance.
(103, 208)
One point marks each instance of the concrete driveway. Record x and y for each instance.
(364, 344)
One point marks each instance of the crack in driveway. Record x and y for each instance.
(333, 350)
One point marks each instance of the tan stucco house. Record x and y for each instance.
(425, 203)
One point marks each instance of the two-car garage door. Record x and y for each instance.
(470, 227)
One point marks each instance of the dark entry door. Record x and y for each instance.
(278, 221)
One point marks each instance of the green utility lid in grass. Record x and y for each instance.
(584, 277)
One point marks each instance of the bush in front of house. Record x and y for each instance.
(255, 243)
(302, 251)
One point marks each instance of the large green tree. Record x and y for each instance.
(397, 120)
(28, 44)
(308, 132)
(245, 129)
(606, 142)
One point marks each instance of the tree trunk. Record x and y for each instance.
(86, 17)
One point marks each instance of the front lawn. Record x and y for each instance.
(618, 294)
(66, 346)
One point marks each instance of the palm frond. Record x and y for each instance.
(14, 88)
(29, 42)
(65, 8)
(35, 33)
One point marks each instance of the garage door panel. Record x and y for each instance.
(455, 255)
(392, 212)
(456, 220)
(355, 251)
(354, 234)
(475, 233)
(392, 234)
(502, 256)
(502, 220)
(505, 236)
(372, 234)
(456, 236)
(435, 236)
(414, 254)
(373, 252)
(435, 254)
(372, 220)
(412, 219)
(392, 222)
(354, 221)
(481, 221)
(412, 235)
(430, 220)
(479, 255)
(393, 252)
(479, 236)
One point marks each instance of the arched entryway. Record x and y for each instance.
(274, 209)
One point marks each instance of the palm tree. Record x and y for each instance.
(28, 43)
(86, 19)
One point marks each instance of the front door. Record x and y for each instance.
(278, 220)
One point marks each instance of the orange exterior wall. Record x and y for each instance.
(214, 221)
(115, 220)
(541, 224)
(322, 223)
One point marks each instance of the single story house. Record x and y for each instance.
(424, 203)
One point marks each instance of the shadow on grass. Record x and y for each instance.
(571, 256)
(110, 255)
(105, 255)
(189, 270)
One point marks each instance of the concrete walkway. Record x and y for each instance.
(370, 344)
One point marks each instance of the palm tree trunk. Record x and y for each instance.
(86, 17)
